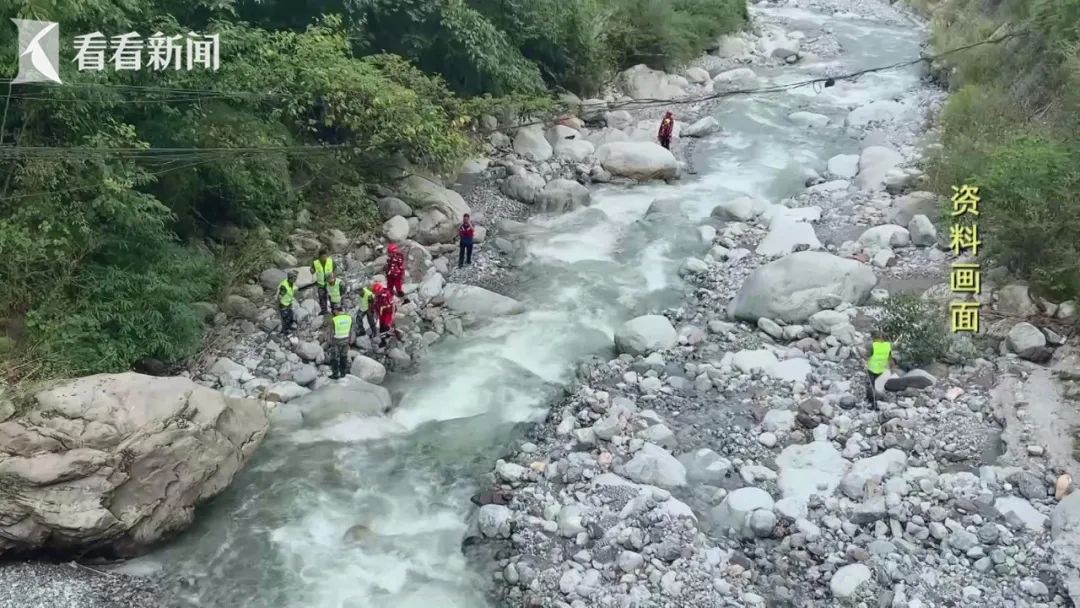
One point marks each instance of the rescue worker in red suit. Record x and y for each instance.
(667, 125)
(385, 308)
(395, 271)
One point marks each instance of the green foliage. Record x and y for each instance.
(1013, 129)
(917, 329)
(1033, 211)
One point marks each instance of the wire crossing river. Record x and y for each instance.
(360, 512)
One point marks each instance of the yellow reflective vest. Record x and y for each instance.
(322, 271)
(366, 298)
(342, 326)
(287, 291)
(879, 358)
(334, 289)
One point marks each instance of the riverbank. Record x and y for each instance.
(722, 463)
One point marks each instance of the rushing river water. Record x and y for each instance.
(274, 539)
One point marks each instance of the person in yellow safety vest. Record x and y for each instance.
(880, 361)
(335, 289)
(286, 297)
(322, 268)
(341, 336)
(366, 311)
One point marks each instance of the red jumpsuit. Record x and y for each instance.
(384, 305)
(667, 125)
(395, 273)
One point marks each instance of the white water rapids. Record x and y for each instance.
(274, 539)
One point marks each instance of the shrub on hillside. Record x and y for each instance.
(1030, 212)
(917, 329)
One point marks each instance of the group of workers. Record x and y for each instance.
(377, 303)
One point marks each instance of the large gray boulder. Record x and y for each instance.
(874, 163)
(440, 209)
(643, 82)
(118, 461)
(1065, 546)
(645, 334)
(638, 160)
(785, 234)
(563, 195)
(701, 128)
(351, 396)
(396, 229)
(733, 80)
(876, 112)
(798, 285)
(739, 209)
(479, 302)
(531, 143)
(906, 207)
(655, 466)
(523, 187)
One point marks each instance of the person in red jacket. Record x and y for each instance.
(385, 307)
(667, 125)
(465, 233)
(395, 271)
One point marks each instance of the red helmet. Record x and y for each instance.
(377, 287)
(392, 248)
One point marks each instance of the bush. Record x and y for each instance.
(917, 329)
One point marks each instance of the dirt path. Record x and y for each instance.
(1029, 402)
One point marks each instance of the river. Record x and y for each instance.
(274, 539)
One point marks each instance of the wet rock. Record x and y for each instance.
(368, 369)
(524, 187)
(479, 302)
(645, 334)
(562, 196)
(642, 82)
(638, 160)
(656, 466)
(844, 166)
(735, 512)
(494, 521)
(874, 163)
(796, 286)
(739, 209)
(701, 128)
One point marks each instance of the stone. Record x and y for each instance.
(653, 465)
(1022, 510)
(391, 206)
(916, 378)
(906, 207)
(735, 511)
(1015, 300)
(643, 82)
(885, 237)
(739, 209)
(368, 369)
(874, 163)
(305, 375)
(796, 286)
(350, 396)
(747, 361)
(645, 334)
(733, 80)
(845, 166)
(922, 230)
(1023, 337)
(701, 128)
(638, 160)
(786, 235)
(808, 469)
(562, 196)
(523, 187)
(102, 463)
(309, 351)
(705, 466)
(630, 561)
(697, 75)
(396, 229)
(847, 580)
(240, 307)
(283, 392)
(530, 143)
(570, 521)
(868, 473)
(479, 302)
(875, 112)
(494, 521)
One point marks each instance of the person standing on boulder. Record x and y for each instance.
(384, 304)
(286, 296)
(667, 125)
(880, 361)
(341, 336)
(322, 268)
(466, 232)
(395, 271)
